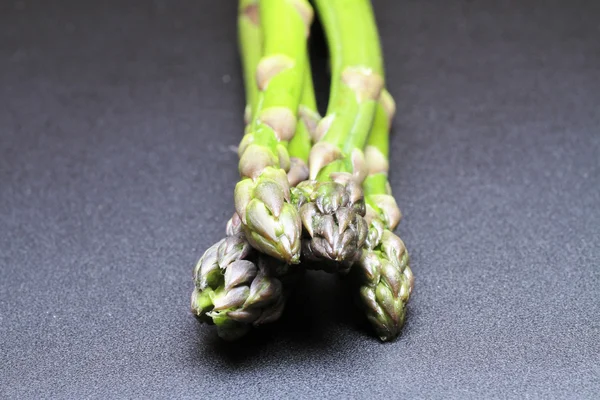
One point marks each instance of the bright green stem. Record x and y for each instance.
(249, 39)
(342, 165)
(283, 32)
(271, 224)
(299, 146)
(378, 138)
(376, 187)
(308, 99)
(354, 44)
(375, 184)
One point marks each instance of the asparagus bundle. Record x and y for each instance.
(329, 204)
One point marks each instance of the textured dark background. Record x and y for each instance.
(116, 122)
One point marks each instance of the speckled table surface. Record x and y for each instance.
(116, 122)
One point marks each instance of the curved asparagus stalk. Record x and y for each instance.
(262, 196)
(236, 287)
(331, 204)
(383, 272)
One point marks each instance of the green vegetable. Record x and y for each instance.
(262, 196)
(237, 287)
(300, 145)
(331, 204)
(383, 273)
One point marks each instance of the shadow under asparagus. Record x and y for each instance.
(316, 314)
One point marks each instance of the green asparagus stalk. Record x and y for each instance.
(250, 47)
(262, 196)
(237, 287)
(383, 273)
(300, 145)
(331, 204)
(378, 193)
(250, 40)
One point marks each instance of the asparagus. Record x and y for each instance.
(237, 287)
(300, 145)
(250, 48)
(262, 197)
(343, 197)
(249, 37)
(331, 203)
(383, 272)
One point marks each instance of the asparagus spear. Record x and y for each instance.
(250, 40)
(331, 204)
(300, 144)
(383, 272)
(262, 196)
(250, 48)
(236, 286)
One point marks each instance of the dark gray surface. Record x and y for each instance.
(116, 173)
